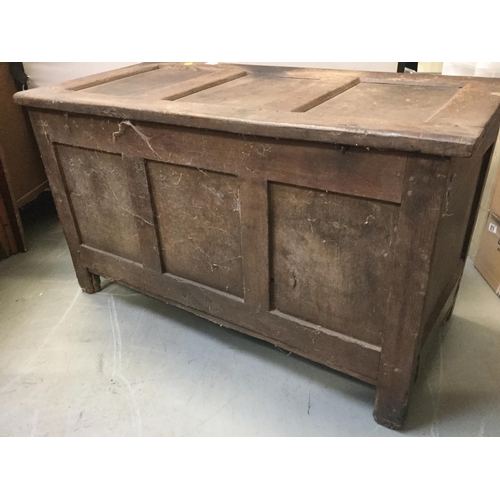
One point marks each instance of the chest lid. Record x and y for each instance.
(407, 112)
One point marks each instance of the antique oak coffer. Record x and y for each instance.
(326, 212)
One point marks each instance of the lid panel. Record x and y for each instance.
(137, 85)
(433, 114)
(272, 94)
(388, 102)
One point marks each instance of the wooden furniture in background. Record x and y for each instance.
(11, 230)
(327, 212)
(22, 176)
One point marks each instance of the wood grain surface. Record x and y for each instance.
(435, 115)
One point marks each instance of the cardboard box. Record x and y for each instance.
(487, 260)
(495, 201)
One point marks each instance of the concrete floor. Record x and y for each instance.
(118, 363)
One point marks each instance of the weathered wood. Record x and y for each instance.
(255, 242)
(89, 282)
(359, 172)
(446, 300)
(284, 94)
(458, 216)
(452, 236)
(198, 218)
(100, 198)
(445, 140)
(195, 85)
(425, 188)
(261, 199)
(320, 272)
(318, 344)
(138, 186)
(164, 81)
(389, 101)
(108, 76)
(407, 113)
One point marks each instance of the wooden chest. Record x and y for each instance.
(327, 212)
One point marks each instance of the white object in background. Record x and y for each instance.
(487, 69)
(430, 67)
(43, 74)
(391, 67)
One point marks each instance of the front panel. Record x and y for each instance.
(285, 240)
(330, 253)
(197, 214)
(98, 190)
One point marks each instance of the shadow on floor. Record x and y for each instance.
(458, 376)
(317, 373)
(37, 215)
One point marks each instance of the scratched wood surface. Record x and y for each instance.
(296, 206)
(101, 201)
(319, 270)
(428, 114)
(360, 172)
(198, 219)
(459, 210)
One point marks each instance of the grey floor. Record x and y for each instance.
(118, 363)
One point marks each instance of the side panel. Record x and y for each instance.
(465, 181)
(418, 219)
